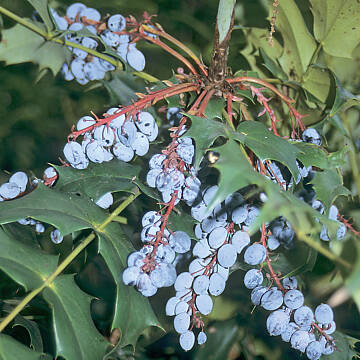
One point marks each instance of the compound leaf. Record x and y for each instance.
(71, 212)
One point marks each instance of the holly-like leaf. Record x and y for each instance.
(133, 313)
(10, 349)
(29, 267)
(295, 261)
(328, 186)
(235, 172)
(204, 131)
(19, 45)
(33, 329)
(69, 213)
(267, 146)
(299, 45)
(312, 155)
(183, 222)
(95, 181)
(76, 336)
(42, 7)
(336, 25)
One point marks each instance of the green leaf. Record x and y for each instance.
(24, 264)
(336, 25)
(95, 181)
(10, 349)
(312, 155)
(343, 99)
(268, 146)
(204, 131)
(259, 39)
(295, 261)
(235, 171)
(41, 6)
(345, 347)
(68, 213)
(133, 313)
(33, 329)
(122, 88)
(299, 45)
(352, 283)
(74, 329)
(76, 336)
(19, 45)
(272, 66)
(214, 108)
(328, 186)
(219, 341)
(183, 222)
(225, 11)
(317, 81)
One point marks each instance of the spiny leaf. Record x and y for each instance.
(235, 171)
(76, 336)
(19, 45)
(30, 268)
(10, 349)
(69, 213)
(266, 145)
(328, 186)
(41, 6)
(312, 155)
(33, 329)
(299, 45)
(24, 264)
(204, 131)
(133, 313)
(94, 181)
(336, 25)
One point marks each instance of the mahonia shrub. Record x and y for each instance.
(226, 194)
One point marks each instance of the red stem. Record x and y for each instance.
(268, 260)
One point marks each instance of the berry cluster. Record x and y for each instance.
(121, 137)
(108, 30)
(153, 266)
